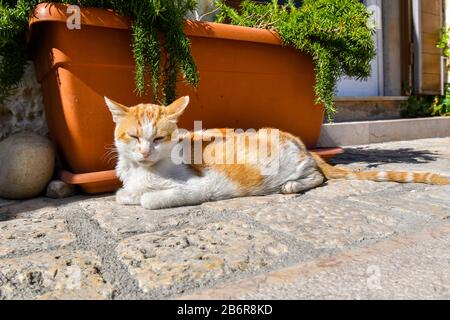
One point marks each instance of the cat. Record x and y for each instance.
(206, 10)
(146, 136)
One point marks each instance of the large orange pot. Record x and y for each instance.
(248, 80)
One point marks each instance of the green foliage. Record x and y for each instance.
(13, 22)
(417, 106)
(441, 104)
(423, 106)
(336, 33)
(150, 19)
(444, 42)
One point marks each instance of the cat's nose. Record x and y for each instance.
(145, 153)
(144, 149)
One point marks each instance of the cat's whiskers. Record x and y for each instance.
(111, 155)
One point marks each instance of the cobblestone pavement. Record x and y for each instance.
(347, 239)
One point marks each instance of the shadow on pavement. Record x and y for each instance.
(25, 208)
(377, 157)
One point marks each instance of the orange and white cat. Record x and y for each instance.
(146, 136)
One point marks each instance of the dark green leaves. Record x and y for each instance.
(161, 50)
(335, 33)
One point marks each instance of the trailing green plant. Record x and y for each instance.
(336, 33)
(150, 18)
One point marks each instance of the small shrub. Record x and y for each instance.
(441, 104)
(417, 106)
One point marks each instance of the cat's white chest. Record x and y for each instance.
(141, 180)
(159, 177)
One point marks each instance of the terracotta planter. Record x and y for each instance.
(248, 80)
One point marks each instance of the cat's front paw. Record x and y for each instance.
(126, 198)
(152, 201)
(149, 201)
(158, 200)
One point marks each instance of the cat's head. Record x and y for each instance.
(144, 133)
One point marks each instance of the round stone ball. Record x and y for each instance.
(27, 162)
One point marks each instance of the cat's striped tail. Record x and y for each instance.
(331, 173)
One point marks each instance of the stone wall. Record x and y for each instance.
(23, 110)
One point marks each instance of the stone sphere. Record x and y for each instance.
(27, 162)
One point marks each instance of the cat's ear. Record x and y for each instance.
(176, 109)
(118, 110)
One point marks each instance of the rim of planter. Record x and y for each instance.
(107, 18)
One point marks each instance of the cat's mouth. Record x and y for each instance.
(146, 162)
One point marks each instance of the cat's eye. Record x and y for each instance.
(133, 136)
(158, 139)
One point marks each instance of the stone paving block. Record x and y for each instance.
(412, 266)
(191, 256)
(415, 272)
(26, 235)
(125, 220)
(241, 204)
(418, 202)
(54, 275)
(332, 225)
(437, 194)
(345, 188)
(37, 208)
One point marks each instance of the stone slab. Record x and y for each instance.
(28, 235)
(54, 275)
(407, 267)
(123, 221)
(191, 256)
(334, 225)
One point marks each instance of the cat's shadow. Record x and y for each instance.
(378, 157)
